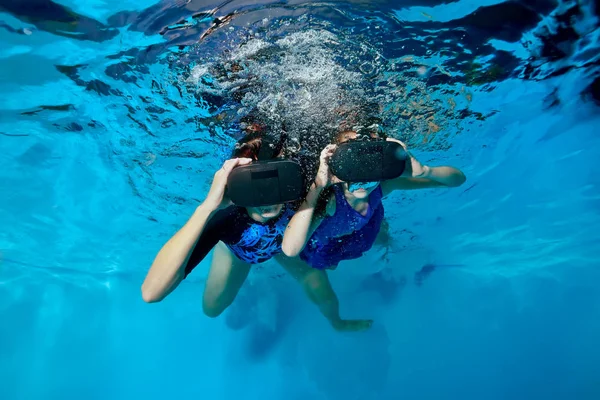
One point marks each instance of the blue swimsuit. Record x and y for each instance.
(250, 241)
(345, 235)
(259, 242)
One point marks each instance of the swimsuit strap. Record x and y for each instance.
(341, 204)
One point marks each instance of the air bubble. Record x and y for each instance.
(367, 68)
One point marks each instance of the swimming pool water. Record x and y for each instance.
(109, 137)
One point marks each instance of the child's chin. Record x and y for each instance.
(360, 193)
(270, 211)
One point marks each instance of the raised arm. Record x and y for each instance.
(168, 268)
(306, 220)
(303, 224)
(419, 176)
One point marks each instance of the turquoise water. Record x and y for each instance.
(109, 137)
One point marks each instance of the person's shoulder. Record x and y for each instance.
(230, 223)
(230, 214)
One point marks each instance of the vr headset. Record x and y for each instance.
(265, 183)
(368, 161)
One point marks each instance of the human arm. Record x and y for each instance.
(169, 266)
(419, 176)
(306, 220)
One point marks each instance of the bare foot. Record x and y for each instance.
(352, 325)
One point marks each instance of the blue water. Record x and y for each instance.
(109, 136)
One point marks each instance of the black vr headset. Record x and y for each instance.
(368, 161)
(273, 181)
(268, 181)
(265, 183)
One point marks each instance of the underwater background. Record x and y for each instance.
(115, 114)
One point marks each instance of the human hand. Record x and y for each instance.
(324, 176)
(414, 168)
(216, 195)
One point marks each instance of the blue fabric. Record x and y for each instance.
(259, 242)
(345, 235)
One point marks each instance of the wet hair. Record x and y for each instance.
(248, 147)
(258, 146)
(374, 131)
(257, 143)
(364, 119)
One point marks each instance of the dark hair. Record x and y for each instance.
(248, 147)
(257, 146)
(258, 142)
(373, 131)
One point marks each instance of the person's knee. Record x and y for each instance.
(314, 279)
(213, 307)
(316, 283)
